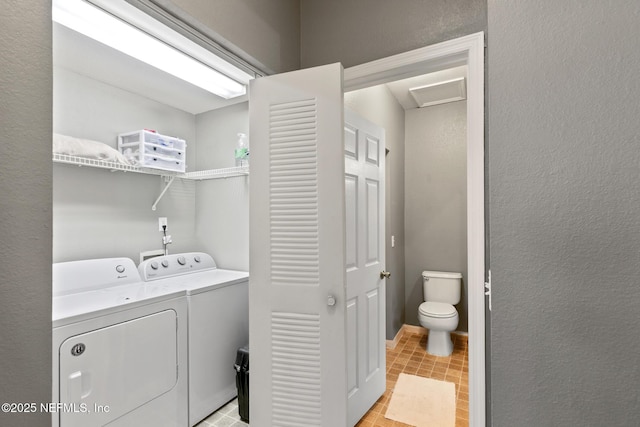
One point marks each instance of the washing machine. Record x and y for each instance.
(218, 312)
(119, 348)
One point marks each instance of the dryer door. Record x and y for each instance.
(109, 372)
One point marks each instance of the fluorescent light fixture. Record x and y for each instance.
(105, 28)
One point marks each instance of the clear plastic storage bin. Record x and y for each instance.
(153, 150)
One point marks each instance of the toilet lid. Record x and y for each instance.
(437, 309)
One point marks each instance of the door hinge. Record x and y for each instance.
(487, 287)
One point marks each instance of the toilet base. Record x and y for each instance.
(439, 343)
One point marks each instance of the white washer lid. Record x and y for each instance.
(437, 309)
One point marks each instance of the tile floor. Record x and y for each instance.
(409, 357)
(227, 416)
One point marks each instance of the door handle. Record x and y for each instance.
(385, 274)
(331, 300)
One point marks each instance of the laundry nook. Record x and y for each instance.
(150, 281)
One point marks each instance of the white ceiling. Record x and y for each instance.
(78, 53)
(401, 88)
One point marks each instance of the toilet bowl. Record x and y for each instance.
(440, 319)
(437, 313)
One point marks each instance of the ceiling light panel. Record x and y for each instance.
(440, 93)
(105, 28)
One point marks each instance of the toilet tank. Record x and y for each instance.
(442, 286)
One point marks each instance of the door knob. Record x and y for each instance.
(331, 300)
(385, 274)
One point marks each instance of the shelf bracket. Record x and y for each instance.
(169, 180)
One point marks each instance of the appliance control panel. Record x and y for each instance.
(87, 275)
(165, 266)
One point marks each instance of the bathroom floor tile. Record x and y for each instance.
(408, 357)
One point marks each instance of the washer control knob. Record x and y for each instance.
(154, 265)
(120, 268)
(181, 260)
(196, 258)
(165, 263)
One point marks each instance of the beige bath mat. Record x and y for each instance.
(423, 402)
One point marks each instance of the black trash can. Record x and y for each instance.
(242, 382)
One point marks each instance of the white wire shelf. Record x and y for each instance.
(114, 166)
(170, 176)
(105, 164)
(218, 173)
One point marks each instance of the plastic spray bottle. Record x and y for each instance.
(242, 150)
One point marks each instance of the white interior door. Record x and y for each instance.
(364, 151)
(297, 299)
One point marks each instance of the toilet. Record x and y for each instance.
(437, 313)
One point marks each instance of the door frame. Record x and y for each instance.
(467, 50)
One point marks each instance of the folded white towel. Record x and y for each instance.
(71, 146)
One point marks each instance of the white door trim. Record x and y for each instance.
(467, 50)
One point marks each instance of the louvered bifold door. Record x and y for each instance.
(297, 246)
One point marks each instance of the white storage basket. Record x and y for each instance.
(153, 150)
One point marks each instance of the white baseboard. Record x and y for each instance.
(403, 330)
(412, 329)
(391, 344)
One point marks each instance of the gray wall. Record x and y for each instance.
(358, 31)
(25, 204)
(266, 33)
(379, 106)
(565, 230)
(435, 200)
(97, 213)
(222, 214)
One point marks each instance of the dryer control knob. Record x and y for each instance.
(165, 263)
(181, 260)
(120, 268)
(154, 265)
(196, 258)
